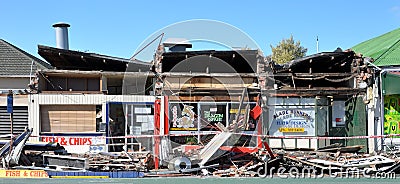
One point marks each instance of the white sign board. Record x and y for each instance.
(295, 121)
(92, 144)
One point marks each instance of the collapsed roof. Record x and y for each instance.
(323, 73)
(75, 60)
(324, 62)
(211, 61)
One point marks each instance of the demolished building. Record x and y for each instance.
(196, 106)
(191, 96)
(320, 95)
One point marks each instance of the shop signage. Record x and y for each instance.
(182, 117)
(209, 116)
(212, 114)
(297, 121)
(23, 174)
(78, 144)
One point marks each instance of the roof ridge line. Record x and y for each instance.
(387, 51)
(27, 55)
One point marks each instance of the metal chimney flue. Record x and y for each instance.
(62, 35)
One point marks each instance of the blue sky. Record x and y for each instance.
(119, 28)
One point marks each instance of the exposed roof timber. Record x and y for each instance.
(324, 62)
(16, 76)
(224, 98)
(187, 74)
(313, 92)
(103, 73)
(212, 91)
(196, 74)
(229, 53)
(270, 93)
(243, 61)
(312, 74)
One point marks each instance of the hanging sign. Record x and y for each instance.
(10, 103)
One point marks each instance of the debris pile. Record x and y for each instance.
(213, 159)
(117, 161)
(324, 161)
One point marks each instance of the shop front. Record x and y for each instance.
(197, 122)
(92, 123)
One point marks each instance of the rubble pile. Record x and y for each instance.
(213, 159)
(318, 162)
(117, 161)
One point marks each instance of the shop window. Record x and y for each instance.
(183, 116)
(242, 125)
(210, 115)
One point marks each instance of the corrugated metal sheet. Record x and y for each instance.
(385, 49)
(20, 120)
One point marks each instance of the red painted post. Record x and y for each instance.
(166, 116)
(157, 111)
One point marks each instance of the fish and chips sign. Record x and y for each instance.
(293, 122)
(23, 174)
(75, 144)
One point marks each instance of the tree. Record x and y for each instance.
(287, 50)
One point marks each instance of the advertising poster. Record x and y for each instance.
(391, 114)
(211, 114)
(293, 122)
(183, 117)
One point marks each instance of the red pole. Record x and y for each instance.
(157, 111)
(166, 116)
(259, 124)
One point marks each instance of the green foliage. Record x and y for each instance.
(287, 50)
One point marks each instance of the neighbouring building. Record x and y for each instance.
(90, 102)
(88, 97)
(384, 107)
(17, 75)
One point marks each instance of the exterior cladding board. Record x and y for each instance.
(15, 83)
(89, 99)
(75, 99)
